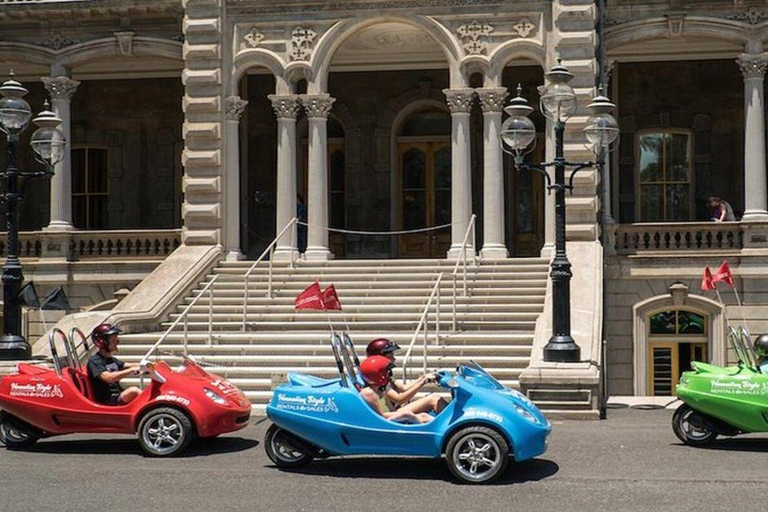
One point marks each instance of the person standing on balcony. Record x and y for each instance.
(721, 210)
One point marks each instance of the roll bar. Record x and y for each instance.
(742, 345)
(336, 346)
(54, 352)
(83, 343)
(351, 349)
(350, 369)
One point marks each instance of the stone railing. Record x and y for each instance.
(682, 236)
(79, 245)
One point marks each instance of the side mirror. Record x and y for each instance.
(150, 368)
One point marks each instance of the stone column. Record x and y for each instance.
(755, 200)
(62, 89)
(492, 101)
(317, 107)
(234, 108)
(286, 109)
(460, 104)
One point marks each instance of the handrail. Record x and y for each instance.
(424, 321)
(463, 259)
(183, 315)
(271, 251)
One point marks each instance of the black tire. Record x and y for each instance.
(474, 448)
(687, 432)
(16, 434)
(285, 450)
(165, 432)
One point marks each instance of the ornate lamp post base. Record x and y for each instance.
(13, 347)
(562, 349)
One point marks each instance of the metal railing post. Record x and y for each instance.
(437, 325)
(269, 278)
(294, 239)
(426, 338)
(454, 303)
(186, 332)
(245, 298)
(210, 316)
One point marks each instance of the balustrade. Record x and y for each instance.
(670, 237)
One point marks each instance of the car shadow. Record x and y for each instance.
(421, 469)
(130, 446)
(743, 444)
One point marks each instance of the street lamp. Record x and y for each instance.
(48, 144)
(558, 103)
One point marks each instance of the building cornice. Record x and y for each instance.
(320, 7)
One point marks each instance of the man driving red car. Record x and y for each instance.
(106, 371)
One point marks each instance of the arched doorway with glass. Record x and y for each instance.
(676, 337)
(423, 183)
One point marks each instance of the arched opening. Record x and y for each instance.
(376, 73)
(524, 191)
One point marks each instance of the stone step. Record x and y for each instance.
(313, 337)
(515, 326)
(322, 349)
(236, 299)
(409, 317)
(230, 290)
(364, 309)
(306, 280)
(325, 272)
(386, 263)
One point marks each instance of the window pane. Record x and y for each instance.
(337, 171)
(676, 157)
(97, 212)
(650, 157)
(442, 207)
(337, 210)
(414, 209)
(663, 323)
(78, 211)
(414, 169)
(443, 168)
(78, 171)
(690, 323)
(97, 171)
(651, 208)
(678, 202)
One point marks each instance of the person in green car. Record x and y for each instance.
(761, 349)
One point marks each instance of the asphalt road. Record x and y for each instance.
(631, 461)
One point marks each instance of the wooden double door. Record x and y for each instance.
(424, 196)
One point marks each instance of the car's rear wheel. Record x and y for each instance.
(16, 434)
(165, 432)
(477, 455)
(286, 450)
(688, 427)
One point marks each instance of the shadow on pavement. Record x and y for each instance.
(421, 469)
(742, 444)
(130, 446)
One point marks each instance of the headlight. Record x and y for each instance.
(525, 414)
(215, 396)
(684, 381)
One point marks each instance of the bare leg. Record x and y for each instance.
(433, 402)
(129, 395)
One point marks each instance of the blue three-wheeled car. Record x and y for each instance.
(483, 425)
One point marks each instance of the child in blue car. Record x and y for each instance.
(377, 374)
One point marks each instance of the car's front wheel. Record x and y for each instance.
(16, 434)
(688, 428)
(477, 455)
(285, 450)
(165, 432)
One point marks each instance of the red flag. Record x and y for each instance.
(311, 298)
(723, 274)
(331, 300)
(706, 282)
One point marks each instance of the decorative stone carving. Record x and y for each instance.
(285, 106)
(254, 38)
(234, 106)
(317, 105)
(60, 88)
(492, 100)
(125, 43)
(58, 41)
(524, 27)
(474, 37)
(753, 65)
(459, 100)
(675, 25)
(753, 16)
(302, 40)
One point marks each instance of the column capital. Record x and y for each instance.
(60, 88)
(492, 99)
(753, 65)
(234, 106)
(460, 100)
(285, 106)
(317, 105)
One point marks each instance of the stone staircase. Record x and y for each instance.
(496, 319)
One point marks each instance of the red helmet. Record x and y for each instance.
(100, 335)
(380, 347)
(376, 370)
